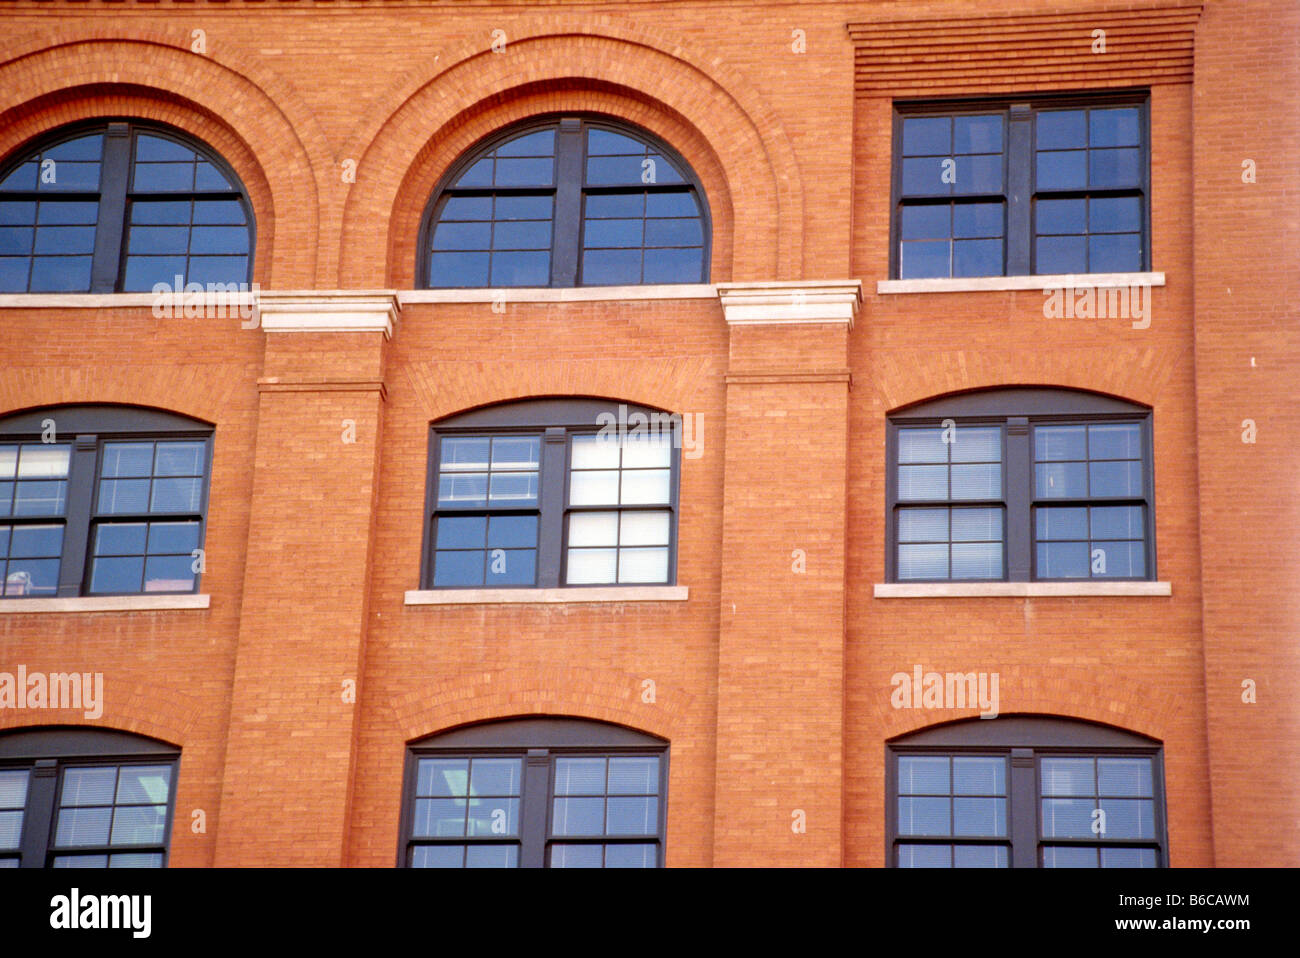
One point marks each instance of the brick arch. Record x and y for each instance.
(276, 148)
(677, 385)
(129, 706)
(170, 388)
(570, 691)
(1138, 374)
(708, 113)
(1071, 692)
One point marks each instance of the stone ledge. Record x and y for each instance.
(621, 593)
(108, 603)
(967, 590)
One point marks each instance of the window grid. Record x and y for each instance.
(552, 813)
(615, 533)
(1090, 516)
(140, 482)
(113, 816)
(573, 202)
(1063, 190)
(33, 487)
(13, 802)
(176, 210)
(936, 470)
(928, 782)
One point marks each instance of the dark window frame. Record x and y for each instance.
(1025, 740)
(556, 421)
(1018, 410)
(116, 192)
(537, 742)
(48, 751)
(87, 428)
(1020, 193)
(569, 191)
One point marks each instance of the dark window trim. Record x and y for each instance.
(108, 264)
(87, 428)
(47, 751)
(538, 742)
(1019, 183)
(556, 421)
(1025, 740)
(568, 221)
(1018, 410)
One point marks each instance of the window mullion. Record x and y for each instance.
(1020, 154)
(38, 813)
(550, 523)
(535, 804)
(114, 175)
(568, 202)
(76, 528)
(1019, 486)
(1023, 809)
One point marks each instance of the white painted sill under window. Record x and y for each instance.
(969, 590)
(108, 603)
(1045, 281)
(622, 593)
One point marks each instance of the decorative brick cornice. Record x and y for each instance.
(954, 56)
(777, 303)
(329, 311)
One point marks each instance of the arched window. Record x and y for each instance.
(566, 202)
(535, 793)
(85, 798)
(101, 500)
(1020, 484)
(1025, 791)
(550, 492)
(121, 207)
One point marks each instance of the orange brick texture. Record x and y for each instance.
(772, 680)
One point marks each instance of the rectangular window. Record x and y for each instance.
(112, 816)
(1018, 187)
(33, 490)
(565, 493)
(488, 506)
(938, 466)
(943, 798)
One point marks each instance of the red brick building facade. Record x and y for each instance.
(314, 648)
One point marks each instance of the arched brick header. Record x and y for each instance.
(708, 114)
(129, 706)
(517, 693)
(677, 385)
(261, 127)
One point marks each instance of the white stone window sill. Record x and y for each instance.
(965, 590)
(621, 593)
(1046, 281)
(108, 603)
(568, 294)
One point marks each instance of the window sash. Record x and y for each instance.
(1020, 191)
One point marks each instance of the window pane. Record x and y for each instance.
(930, 221)
(634, 776)
(979, 816)
(437, 817)
(982, 481)
(923, 561)
(513, 488)
(1067, 817)
(977, 134)
(977, 258)
(1115, 253)
(923, 775)
(461, 532)
(977, 560)
(144, 784)
(1062, 560)
(1061, 254)
(492, 856)
(1115, 168)
(169, 574)
(458, 569)
(116, 575)
(977, 219)
(11, 830)
(442, 777)
(468, 489)
(645, 486)
(643, 451)
(924, 856)
(1128, 858)
(925, 176)
(978, 174)
(1125, 777)
(1063, 170)
(592, 566)
(923, 525)
(1061, 128)
(922, 445)
(1128, 817)
(518, 532)
(611, 267)
(139, 825)
(632, 816)
(673, 266)
(643, 565)
(1061, 216)
(927, 136)
(459, 269)
(495, 776)
(593, 529)
(922, 482)
(576, 856)
(979, 776)
(36, 541)
(1061, 480)
(83, 826)
(1067, 776)
(1117, 522)
(1066, 856)
(494, 816)
(631, 856)
(578, 816)
(1061, 523)
(924, 816)
(979, 856)
(438, 856)
(1120, 214)
(580, 776)
(925, 260)
(593, 488)
(977, 525)
(1120, 478)
(1119, 559)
